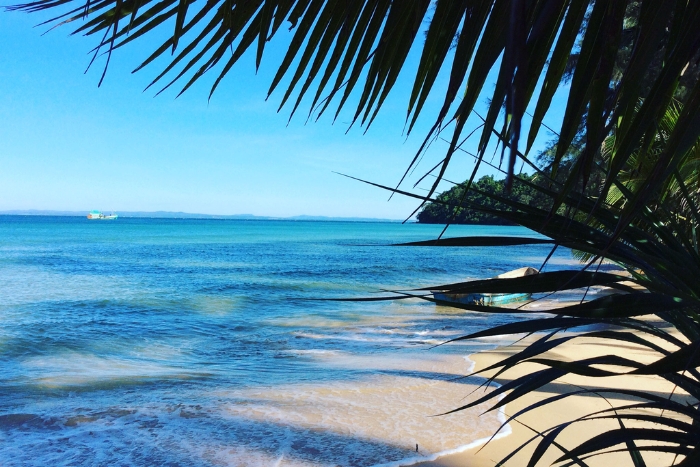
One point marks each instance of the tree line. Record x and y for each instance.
(452, 206)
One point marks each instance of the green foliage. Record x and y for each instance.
(449, 210)
(678, 195)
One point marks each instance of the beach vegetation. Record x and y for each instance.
(449, 207)
(621, 182)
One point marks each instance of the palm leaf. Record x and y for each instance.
(643, 216)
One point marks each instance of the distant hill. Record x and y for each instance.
(188, 215)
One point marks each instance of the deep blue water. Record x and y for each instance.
(110, 331)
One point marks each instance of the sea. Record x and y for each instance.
(190, 342)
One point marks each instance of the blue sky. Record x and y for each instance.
(66, 144)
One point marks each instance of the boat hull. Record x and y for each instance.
(489, 299)
(482, 299)
(98, 216)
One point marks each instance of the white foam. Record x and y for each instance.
(502, 339)
(471, 364)
(314, 352)
(504, 431)
(362, 337)
(77, 368)
(377, 418)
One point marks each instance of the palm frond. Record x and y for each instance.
(362, 46)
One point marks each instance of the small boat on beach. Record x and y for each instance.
(489, 299)
(97, 215)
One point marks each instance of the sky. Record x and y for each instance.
(67, 144)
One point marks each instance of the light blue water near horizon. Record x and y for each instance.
(192, 342)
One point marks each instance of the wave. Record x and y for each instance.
(503, 431)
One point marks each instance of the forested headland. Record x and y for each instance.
(453, 207)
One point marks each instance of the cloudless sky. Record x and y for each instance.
(66, 144)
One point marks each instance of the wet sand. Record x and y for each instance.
(393, 410)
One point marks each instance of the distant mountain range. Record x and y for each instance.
(187, 215)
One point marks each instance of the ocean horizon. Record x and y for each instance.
(191, 215)
(204, 343)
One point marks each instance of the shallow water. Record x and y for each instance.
(194, 342)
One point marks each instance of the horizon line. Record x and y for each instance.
(186, 215)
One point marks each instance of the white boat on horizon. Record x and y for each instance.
(97, 215)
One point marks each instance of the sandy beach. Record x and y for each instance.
(563, 410)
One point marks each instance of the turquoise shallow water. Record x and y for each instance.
(189, 342)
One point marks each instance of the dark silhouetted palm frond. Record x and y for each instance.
(339, 47)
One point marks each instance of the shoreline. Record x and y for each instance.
(504, 431)
(491, 452)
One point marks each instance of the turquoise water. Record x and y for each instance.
(192, 342)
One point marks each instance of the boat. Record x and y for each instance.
(97, 215)
(489, 299)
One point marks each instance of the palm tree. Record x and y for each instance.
(659, 252)
(631, 58)
(678, 194)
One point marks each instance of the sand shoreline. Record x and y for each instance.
(504, 431)
(561, 411)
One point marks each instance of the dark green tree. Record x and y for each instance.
(450, 206)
